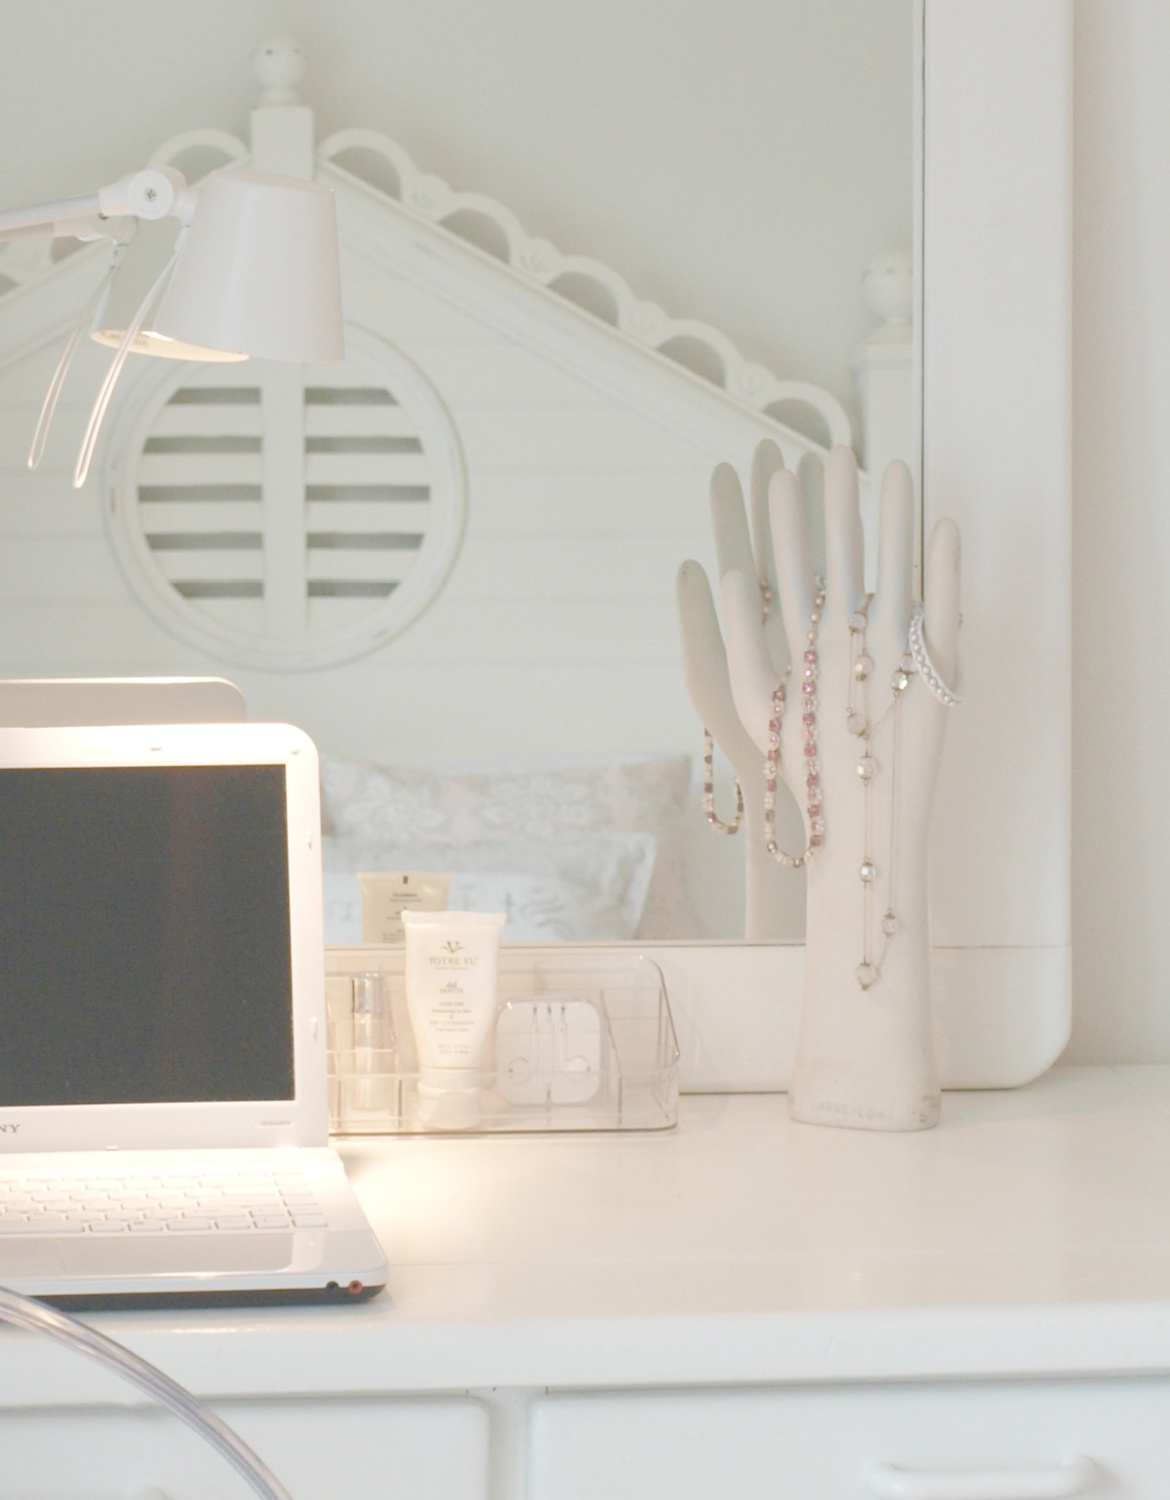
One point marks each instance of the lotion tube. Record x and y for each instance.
(452, 969)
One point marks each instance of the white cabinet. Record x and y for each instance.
(742, 1309)
(1007, 1440)
(321, 1450)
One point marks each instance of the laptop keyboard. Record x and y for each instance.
(154, 1203)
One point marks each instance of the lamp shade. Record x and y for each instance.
(141, 264)
(258, 272)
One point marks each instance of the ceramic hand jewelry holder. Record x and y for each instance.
(854, 727)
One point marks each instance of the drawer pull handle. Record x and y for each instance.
(1072, 1477)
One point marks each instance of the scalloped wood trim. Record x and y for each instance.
(432, 200)
(583, 282)
(230, 146)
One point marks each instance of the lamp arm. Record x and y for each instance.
(154, 193)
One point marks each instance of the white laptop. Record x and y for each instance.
(163, 1067)
(47, 701)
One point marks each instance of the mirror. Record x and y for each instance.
(995, 244)
(712, 137)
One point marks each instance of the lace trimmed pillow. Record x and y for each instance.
(591, 889)
(557, 803)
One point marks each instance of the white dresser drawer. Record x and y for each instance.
(999, 1440)
(319, 1449)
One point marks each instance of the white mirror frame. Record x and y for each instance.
(995, 283)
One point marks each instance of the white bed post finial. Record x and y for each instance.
(283, 143)
(279, 64)
(281, 126)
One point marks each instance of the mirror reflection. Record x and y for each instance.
(452, 560)
(570, 793)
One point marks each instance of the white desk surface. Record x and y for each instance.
(1028, 1234)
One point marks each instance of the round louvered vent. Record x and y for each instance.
(283, 516)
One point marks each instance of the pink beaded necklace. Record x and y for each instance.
(814, 806)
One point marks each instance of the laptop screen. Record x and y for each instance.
(144, 935)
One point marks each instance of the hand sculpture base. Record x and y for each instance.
(865, 1057)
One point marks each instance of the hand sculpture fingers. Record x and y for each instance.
(704, 659)
(792, 563)
(889, 615)
(705, 669)
(767, 461)
(752, 677)
(733, 542)
(941, 623)
(844, 543)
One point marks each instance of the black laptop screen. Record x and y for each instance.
(144, 935)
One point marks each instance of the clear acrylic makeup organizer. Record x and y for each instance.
(619, 1073)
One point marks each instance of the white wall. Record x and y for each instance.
(1121, 739)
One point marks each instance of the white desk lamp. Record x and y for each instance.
(254, 273)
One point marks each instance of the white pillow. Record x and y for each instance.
(588, 888)
(554, 802)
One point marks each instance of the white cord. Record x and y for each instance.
(97, 415)
(38, 1317)
(53, 394)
